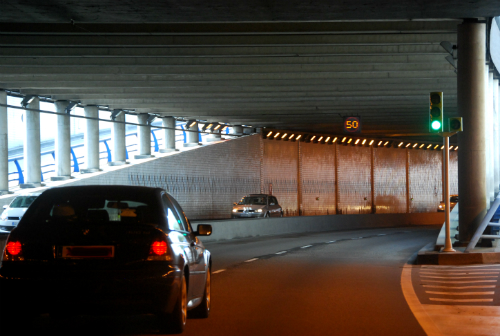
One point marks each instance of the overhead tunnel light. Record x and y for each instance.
(298, 137)
(364, 141)
(435, 147)
(442, 147)
(429, 146)
(277, 134)
(408, 145)
(344, 139)
(349, 141)
(400, 144)
(420, 147)
(269, 134)
(371, 142)
(284, 135)
(224, 128)
(320, 138)
(291, 137)
(334, 140)
(357, 141)
(327, 139)
(190, 123)
(415, 145)
(456, 148)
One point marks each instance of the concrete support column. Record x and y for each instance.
(144, 134)
(496, 158)
(168, 135)
(193, 137)
(216, 136)
(32, 157)
(91, 140)
(63, 143)
(238, 130)
(4, 145)
(471, 142)
(496, 108)
(119, 154)
(490, 184)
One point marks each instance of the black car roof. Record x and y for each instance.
(104, 188)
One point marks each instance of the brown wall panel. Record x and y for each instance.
(425, 180)
(354, 180)
(206, 181)
(390, 180)
(280, 168)
(317, 164)
(453, 173)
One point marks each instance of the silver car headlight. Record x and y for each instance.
(235, 210)
(4, 216)
(259, 210)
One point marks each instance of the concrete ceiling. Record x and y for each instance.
(302, 75)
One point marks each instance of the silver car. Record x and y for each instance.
(257, 205)
(13, 212)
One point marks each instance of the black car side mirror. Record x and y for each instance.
(204, 230)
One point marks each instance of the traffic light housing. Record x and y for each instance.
(436, 112)
(456, 124)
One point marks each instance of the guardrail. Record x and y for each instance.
(76, 161)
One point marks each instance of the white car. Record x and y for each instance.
(13, 212)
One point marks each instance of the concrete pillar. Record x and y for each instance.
(91, 140)
(4, 145)
(193, 137)
(168, 135)
(496, 109)
(489, 137)
(215, 136)
(494, 125)
(238, 130)
(471, 142)
(144, 135)
(62, 143)
(119, 154)
(32, 160)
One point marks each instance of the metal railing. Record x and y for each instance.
(76, 161)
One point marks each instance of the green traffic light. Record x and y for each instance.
(436, 125)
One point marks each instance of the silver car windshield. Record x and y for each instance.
(22, 201)
(253, 200)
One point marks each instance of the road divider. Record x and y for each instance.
(246, 228)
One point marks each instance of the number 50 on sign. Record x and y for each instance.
(352, 124)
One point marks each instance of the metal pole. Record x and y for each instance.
(447, 244)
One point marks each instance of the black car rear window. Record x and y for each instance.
(99, 208)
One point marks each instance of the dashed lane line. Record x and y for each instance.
(250, 260)
(306, 246)
(281, 252)
(218, 271)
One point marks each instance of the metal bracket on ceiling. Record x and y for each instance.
(26, 100)
(71, 106)
(150, 119)
(115, 113)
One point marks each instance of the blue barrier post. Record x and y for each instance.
(76, 168)
(184, 133)
(107, 149)
(156, 142)
(19, 172)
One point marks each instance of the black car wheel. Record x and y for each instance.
(203, 310)
(175, 322)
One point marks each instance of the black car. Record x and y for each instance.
(105, 249)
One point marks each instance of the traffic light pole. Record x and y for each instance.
(446, 163)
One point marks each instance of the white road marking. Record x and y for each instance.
(462, 273)
(306, 246)
(461, 282)
(331, 241)
(250, 260)
(465, 277)
(461, 287)
(218, 271)
(281, 252)
(461, 300)
(460, 293)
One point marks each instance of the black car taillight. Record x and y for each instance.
(159, 250)
(13, 251)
